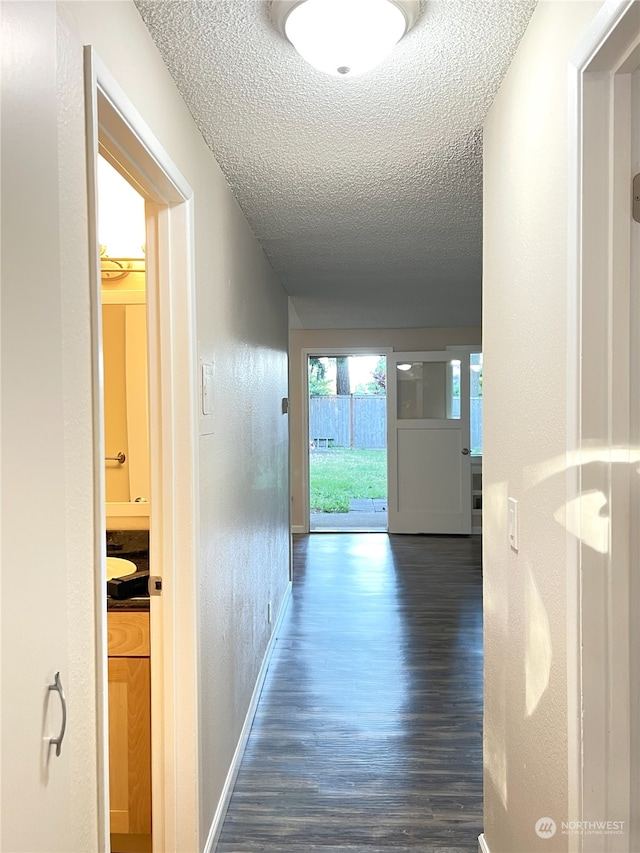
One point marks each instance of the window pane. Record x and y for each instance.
(429, 390)
(475, 363)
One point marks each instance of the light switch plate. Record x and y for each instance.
(208, 396)
(512, 510)
(207, 388)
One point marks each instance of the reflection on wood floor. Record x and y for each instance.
(368, 736)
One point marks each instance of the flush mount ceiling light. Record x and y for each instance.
(344, 37)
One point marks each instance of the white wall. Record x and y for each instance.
(525, 345)
(401, 340)
(242, 328)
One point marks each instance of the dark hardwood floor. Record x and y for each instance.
(368, 735)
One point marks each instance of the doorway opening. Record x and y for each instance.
(125, 399)
(347, 408)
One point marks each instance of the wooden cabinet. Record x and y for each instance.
(129, 731)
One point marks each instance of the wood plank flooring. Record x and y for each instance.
(368, 735)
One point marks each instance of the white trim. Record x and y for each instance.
(227, 790)
(483, 847)
(127, 509)
(117, 130)
(598, 408)
(305, 527)
(174, 486)
(99, 480)
(604, 46)
(468, 348)
(320, 352)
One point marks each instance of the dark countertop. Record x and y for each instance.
(141, 560)
(128, 604)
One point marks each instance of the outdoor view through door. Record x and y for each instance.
(348, 442)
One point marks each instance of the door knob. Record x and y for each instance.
(465, 451)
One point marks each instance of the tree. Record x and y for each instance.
(318, 383)
(379, 375)
(343, 382)
(378, 383)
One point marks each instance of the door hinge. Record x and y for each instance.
(636, 197)
(155, 585)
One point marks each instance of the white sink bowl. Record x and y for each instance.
(117, 567)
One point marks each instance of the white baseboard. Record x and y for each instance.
(227, 791)
(298, 528)
(483, 847)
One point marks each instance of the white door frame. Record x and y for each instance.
(116, 129)
(330, 352)
(599, 452)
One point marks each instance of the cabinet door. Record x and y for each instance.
(130, 745)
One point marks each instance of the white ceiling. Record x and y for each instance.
(366, 193)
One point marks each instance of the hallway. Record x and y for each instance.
(368, 735)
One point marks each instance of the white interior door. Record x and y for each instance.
(429, 463)
(48, 792)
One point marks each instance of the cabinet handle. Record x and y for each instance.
(465, 451)
(57, 741)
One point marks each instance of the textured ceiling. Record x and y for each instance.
(366, 193)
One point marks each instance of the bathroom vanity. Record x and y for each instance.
(129, 668)
(129, 726)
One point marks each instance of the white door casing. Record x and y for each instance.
(604, 434)
(634, 585)
(429, 463)
(117, 130)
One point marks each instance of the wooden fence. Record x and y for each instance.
(353, 421)
(361, 422)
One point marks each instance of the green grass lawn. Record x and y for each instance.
(338, 475)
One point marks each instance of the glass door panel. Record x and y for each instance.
(428, 390)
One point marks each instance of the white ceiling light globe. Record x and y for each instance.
(345, 37)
